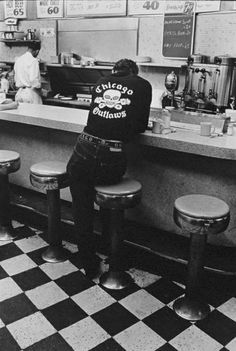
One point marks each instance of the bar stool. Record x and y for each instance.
(9, 163)
(115, 199)
(51, 176)
(198, 215)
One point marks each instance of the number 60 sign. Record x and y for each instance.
(49, 8)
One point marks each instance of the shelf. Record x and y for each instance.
(153, 64)
(78, 66)
(66, 103)
(11, 31)
(10, 63)
(17, 42)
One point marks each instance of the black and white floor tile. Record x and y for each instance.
(55, 307)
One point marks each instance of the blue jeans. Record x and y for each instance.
(90, 165)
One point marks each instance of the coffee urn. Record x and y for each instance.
(209, 84)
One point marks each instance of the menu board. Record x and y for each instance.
(15, 8)
(178, 29)
(146, 7)
(49, 8)
(95, 8)
(177, 35)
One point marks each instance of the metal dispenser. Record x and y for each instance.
(209, 86)
(171, 84)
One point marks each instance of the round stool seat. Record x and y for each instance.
(48, 168)
(49, 175)
(201, 206)
(126, 193)
(9, 161)
(201, 214)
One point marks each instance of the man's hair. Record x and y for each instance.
(34, 45)
(125, 66)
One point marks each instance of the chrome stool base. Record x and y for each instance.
(115, 280)
(198, 215)
(9, 163)
(7, 233)
(114, 200)
(51, 176)
(55, 254)
(191, 309)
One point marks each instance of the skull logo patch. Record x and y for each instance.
(112, 99)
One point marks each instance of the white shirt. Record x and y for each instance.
(27, 73)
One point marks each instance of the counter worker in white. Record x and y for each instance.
(27, 75)
(119, 111)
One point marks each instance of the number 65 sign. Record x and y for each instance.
(15, 8)
(145, 7)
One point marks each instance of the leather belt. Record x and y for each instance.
(112, 144)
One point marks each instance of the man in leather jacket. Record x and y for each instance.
(118, 112)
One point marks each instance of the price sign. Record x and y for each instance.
(15, 8)
(49, 8)
(95, 7)
(145, 7)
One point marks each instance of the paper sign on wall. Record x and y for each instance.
(174, 6)
(95, 7)
(179, 7)
(15, 8)
(207, 5)
(47, 32)
(145, 7)
(49, 8)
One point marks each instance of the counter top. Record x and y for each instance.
(73, 120)
(55, 117)
(190, 141)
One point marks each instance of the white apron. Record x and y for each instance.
(28, 95)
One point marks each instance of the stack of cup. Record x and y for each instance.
(206, 129)
(162, 123)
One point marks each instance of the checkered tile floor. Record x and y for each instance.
(56, 307)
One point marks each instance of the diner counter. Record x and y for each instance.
(73, 120)
(168, 166)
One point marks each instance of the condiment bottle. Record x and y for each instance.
(4, 85)
(29, 34)
(230, 129)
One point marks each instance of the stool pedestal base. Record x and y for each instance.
(115, 280)
(55, 254)
(7, 233)
(191, 309)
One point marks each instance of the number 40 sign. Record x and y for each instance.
(49, 8)
(145, 7)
